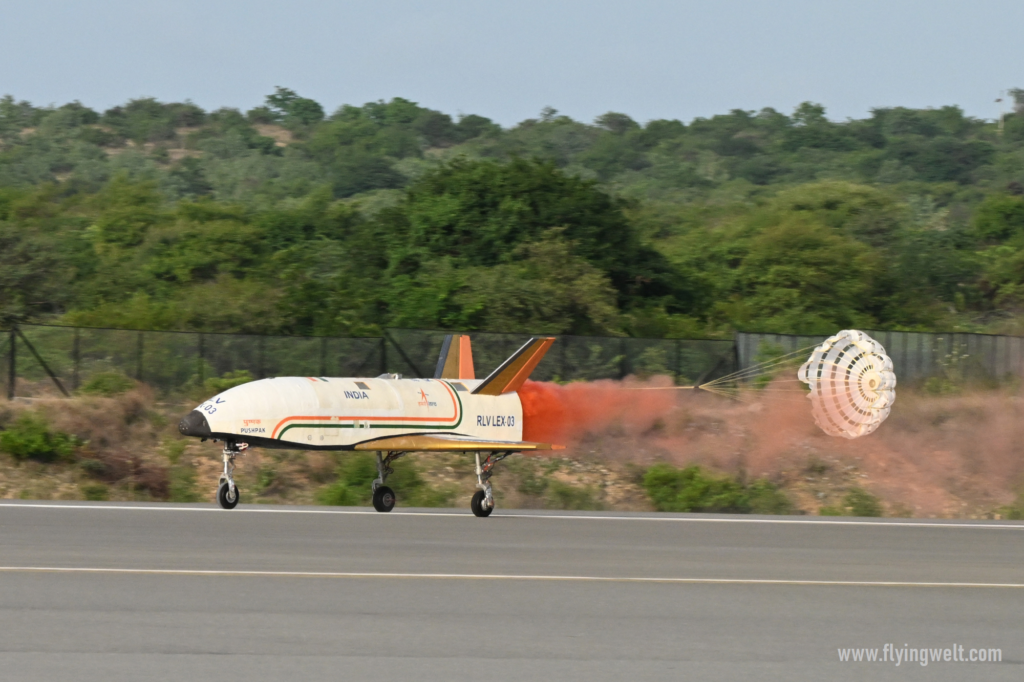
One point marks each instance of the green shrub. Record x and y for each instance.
(96, 492)
(182, 484)
(564, 496)
(766, 498)
(857, 502)
(338, 494)
(1014, 511)
(357, 471)
(94, 467)
(107, 384)
(29, 437)
(265, 477)
(693, 490)
(175, 449)
(228, 380)
(530, 483)
(862, 503)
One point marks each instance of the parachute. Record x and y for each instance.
(852, 384)
(851, 381)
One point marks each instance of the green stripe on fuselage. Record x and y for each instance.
(329, 425)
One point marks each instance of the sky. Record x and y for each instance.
(508, 60)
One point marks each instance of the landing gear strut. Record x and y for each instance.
(227, 492)
(383, 496)
(482, 503)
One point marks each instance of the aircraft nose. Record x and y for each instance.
(194, 424)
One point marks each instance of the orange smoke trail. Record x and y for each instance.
(562, 414)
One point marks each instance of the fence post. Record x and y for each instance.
(201, 369)
(679, 359)
(323, 356)
(260, 345)
(401, 353)
(42, 363)
(564, 369)
(76, 361)
(383, 356)
(138, 360)
(736, 351)
(12, 369)
(623, 363)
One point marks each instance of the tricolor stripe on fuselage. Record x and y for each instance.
(432, 423)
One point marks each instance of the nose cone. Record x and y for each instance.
(194, 424)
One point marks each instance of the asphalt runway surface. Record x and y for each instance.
(114, 592)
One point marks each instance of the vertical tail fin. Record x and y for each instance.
(456, 359)
(514, 372)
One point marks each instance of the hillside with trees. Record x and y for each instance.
(287, 219)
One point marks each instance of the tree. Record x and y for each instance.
(616, 123)
(292, 109)
(478, 212)
(799, 277)
(999, 217)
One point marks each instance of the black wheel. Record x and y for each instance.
(384, 499)
(226, 498)
(479, 506)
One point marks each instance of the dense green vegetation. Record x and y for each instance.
(357, 471)
(30, 437)
(284, 219)
(692, 489)
(857, 502)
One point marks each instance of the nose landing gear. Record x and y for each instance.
(227, 492)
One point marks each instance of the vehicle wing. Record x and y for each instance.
(451, 443)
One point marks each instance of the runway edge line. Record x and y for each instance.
(502, 577)
(569, 517)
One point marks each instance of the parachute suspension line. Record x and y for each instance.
(758, 368)
(757, 371)
(850, 378)
(730, 394)
(660, 388)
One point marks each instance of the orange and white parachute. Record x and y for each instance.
(852, 384)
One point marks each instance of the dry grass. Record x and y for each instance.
(950, 456)
(935, 456)
(282, 136)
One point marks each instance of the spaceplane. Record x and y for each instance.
(389, 415)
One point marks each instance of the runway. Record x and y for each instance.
(188, 592)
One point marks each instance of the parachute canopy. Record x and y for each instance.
(852, 384)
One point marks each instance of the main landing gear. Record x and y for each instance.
(482, 503)
(227, 492)
(383, 496)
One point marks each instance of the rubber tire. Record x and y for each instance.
(478, 506)
(223, 495)
(383, 499)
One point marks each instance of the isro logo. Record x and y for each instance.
(425, 400)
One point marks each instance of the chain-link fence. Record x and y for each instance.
(173, 362)
(41, 358)
(574, 358)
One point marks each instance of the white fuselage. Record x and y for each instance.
(339, 413)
